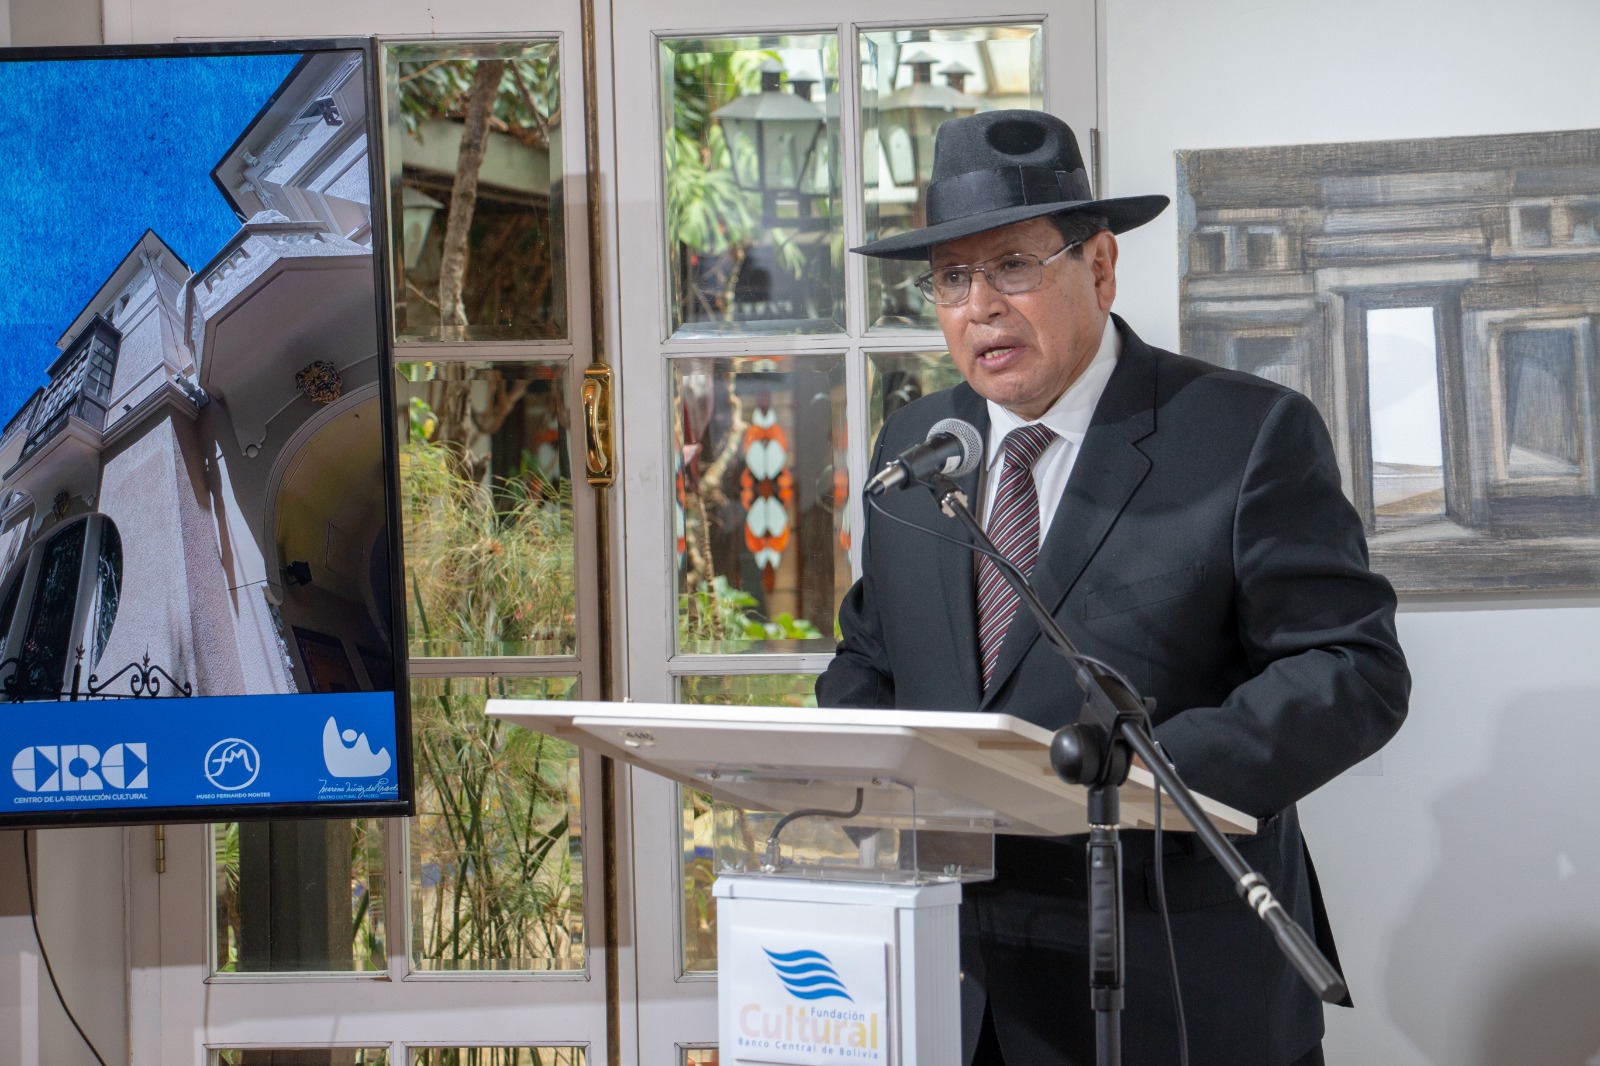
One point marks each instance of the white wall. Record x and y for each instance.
(1463, 865)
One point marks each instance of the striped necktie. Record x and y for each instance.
(1014, 528)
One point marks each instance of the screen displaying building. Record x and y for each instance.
(196, 589)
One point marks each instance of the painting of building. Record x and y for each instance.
(193, 502)
(1438, 300)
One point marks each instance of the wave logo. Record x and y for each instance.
(350, 754)
(81, 768)
(808, 975)
(232, 764)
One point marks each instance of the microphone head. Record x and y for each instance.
(971, 446)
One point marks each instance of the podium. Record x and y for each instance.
(843, 838)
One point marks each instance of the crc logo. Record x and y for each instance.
(232, 764)
(808, 975)
(81, 768)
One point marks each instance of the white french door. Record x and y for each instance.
(758, 358)
(754, 359)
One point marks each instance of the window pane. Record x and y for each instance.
(751, 172)
(41, 673)
(108, 587)
(695, 838)
(475, 190)
(1541, 389)
(486, 484)
(912, 82)
(299, 896)
(1403, 396)
(760, 487)
(343, 1056)
(498, 1056)
(894, 379)
(496, 846)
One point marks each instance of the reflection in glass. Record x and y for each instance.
(751, 172)
(498, 1056)
(108, 587)
(486, 508)
(475, 202)
(703, 1056)
(343, 1056)
(1403, 397)
(496, 846)
(760, 493)
(912, 82)
(894, 379)
(298, 896)
(696, 835)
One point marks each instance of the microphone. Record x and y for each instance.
(953, 448)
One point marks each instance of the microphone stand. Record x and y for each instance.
(1094, 752)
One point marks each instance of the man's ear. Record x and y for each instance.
(1102, 252)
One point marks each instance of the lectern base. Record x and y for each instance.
(817, 973)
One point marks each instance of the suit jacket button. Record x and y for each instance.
(961, 975)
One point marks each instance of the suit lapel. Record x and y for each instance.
(1108, 469)
(955, 562)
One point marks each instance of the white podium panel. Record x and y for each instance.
(816, 973)
(964, 767)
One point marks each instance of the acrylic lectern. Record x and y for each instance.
(842, 841)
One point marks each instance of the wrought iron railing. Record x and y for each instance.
(31, 679)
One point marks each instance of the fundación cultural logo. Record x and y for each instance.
(350, 754)
(827, 1025)
(81, 768)
(232, 764)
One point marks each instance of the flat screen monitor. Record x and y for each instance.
(198, 479)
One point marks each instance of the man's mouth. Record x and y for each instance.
(998, 352)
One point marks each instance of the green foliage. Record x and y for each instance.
(495, 876)
(721, 614)
(706, 210)
(526, 107)
(487, 565)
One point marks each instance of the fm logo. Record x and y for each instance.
(81, 768)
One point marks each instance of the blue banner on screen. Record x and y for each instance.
(204, 751)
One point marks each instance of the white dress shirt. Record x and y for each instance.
(1069, 416)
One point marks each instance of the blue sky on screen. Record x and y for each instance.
(93, 153)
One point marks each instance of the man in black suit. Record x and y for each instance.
(1191, 532)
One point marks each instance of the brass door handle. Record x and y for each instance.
(599, 451)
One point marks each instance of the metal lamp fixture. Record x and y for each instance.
(909, 117)
(774, 138)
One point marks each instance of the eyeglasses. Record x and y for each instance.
(1009, 274)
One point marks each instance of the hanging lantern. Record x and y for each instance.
(908, 118)
(773, 137)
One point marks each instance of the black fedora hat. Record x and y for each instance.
(998, 167)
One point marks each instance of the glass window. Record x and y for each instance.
(496, 846)
(48, 640)
(298, 896)
(108, 587)
(341, 1056)
(760, 486)
(1534, 226)
(498, 1056)
(912, 82)
(751, 173)
(476, 197)
(1541, 381)
(698, 916)
(894, 379)
(1403, 398)
(486, 487)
